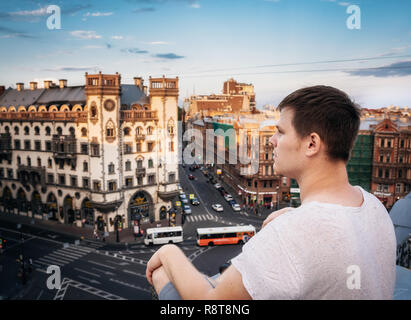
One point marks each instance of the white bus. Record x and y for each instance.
(163, 235)
(224, 235)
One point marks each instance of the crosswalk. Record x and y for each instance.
(61, 257)
(208, 217)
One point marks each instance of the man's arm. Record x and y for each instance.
(190, 283)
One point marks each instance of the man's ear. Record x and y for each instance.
(313, 144)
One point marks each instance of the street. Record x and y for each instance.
(95, 270)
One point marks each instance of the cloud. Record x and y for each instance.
(170, 56)
(195, 5)
(142, 10)
(82, 34)
(11, 33)
(134, 50)
(117, 37)
(397, 69)
(70, 68)
(98, 14)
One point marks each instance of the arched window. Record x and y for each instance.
(93, 110)
(139, 130)
(150, 130)
(110, 129)
(36, 131)
(127, 131)
(72, 131)
(170, 127)
(150, 163)
(48, 131)
(16, 130)
(83, 132)
(26, 130)
(59, 131)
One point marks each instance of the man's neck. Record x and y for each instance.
(324, 181)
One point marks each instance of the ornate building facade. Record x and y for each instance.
(81, 153)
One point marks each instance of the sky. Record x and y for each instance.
(362, 47)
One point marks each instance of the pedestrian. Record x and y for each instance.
(95, 234)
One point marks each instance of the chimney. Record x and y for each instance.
(63, 83)
(20, 86)
(138, 81)
(2, 89)
(47, 84)
(33, 85)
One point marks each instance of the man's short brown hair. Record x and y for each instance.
(330, 113)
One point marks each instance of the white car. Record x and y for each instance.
(183, 198)
(187, 209)
(217, 207)
(236, 207)
(217, 185)
(228, 197)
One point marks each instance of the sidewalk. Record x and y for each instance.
(125, 236)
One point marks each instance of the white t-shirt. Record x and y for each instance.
(322, 251)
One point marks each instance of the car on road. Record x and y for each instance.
(191, 177)
(228, 197)
(231, 202)
(217, 207)
(236, 207)
(183, 198)
(217, 185)
(187, 209)
(195, 202)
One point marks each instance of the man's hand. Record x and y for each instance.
(274, 215)
(155, 262)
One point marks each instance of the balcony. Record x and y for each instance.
(140, 172)
(32, 175)
(71, 116)
(140, 137)
(133, 115)
(64, 147)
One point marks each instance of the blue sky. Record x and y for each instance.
(278, 45)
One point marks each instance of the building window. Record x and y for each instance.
(27, 145)
(255, 184)
(381, 158)
(400, 174)
(171, 177)
(37, 145)
(150, 130)
(10, 173)
(48, 145)
(138, 147)
(171, 146)
(17, 145)
(128, 148)
(26, 131)
(48, 131)
(61, 164)
(59, 131)
(388, 158)
(29, 161)
(95, 150)
(139, 180)
(387, 173)
(36, 131)
(84, 132)
(389, 143)
(62, 179)
(126, 131)
(84, 148)
(73, 181)
(85, 166)
(16, 130)
(38, 162)
(379, 173)
(151, 179)
(112, 186)
(150, 163)
(50, 163)
(111, 168)
(96, 185)
(129, 182)
(85, 183)
(50, 178)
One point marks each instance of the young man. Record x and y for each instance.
(339, 244)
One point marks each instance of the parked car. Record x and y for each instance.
(232, 202)
(191, 177)
(195, 202)
(236, 207)
(187, 209)
(228, 197)
(217, 207)
(217, 185)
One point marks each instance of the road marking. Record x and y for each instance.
(101, 264)
(50, 262)
(90, 273)
(66, 254)
(59, 258)
(135, 273)
(130, 285)
(92, 280)
(119, 264)
(38, 297)
(104, 272)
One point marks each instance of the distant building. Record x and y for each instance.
(73, 154)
